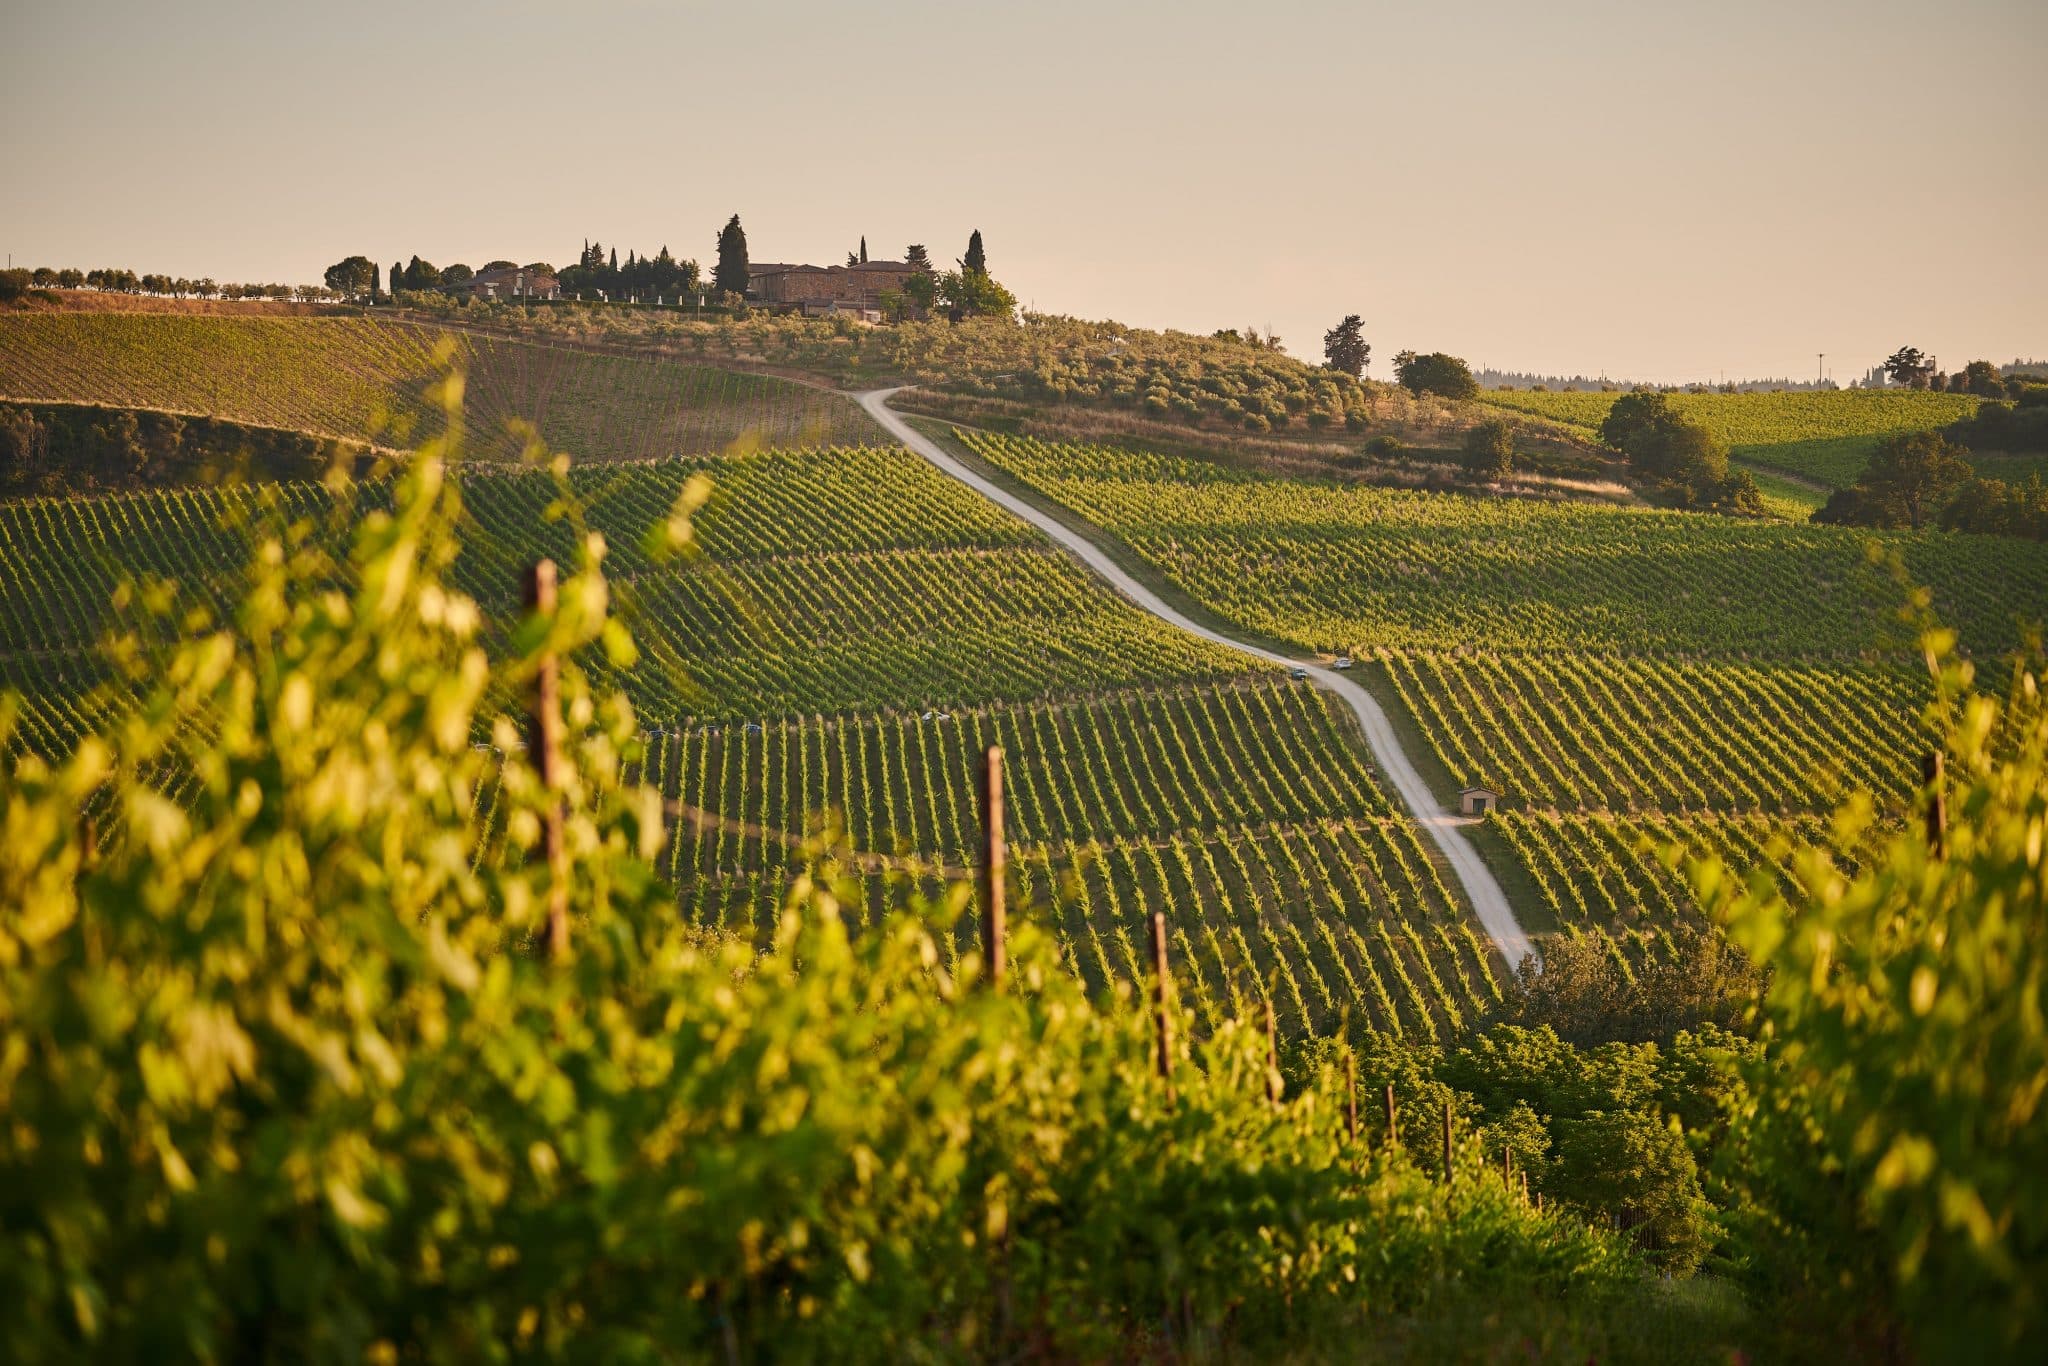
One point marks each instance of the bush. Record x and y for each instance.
(1489, 450)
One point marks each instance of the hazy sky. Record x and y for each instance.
(1659, 190)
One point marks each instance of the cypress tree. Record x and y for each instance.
(397, 275)
(975, 260)
(376, 279)
(731, 272)
(863, 249)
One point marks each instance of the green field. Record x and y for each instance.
(1623, 676)
(1823, 437)
(1337, 567)
(839, 650)
(860, 627)
(365, 379)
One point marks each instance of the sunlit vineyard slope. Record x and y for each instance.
(1825, 436)
(858, 630)
(1624, 677)
(364, 379)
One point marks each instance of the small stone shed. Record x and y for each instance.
(1477, 801)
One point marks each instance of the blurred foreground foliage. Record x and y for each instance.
(1883, 1178)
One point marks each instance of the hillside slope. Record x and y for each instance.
(365, 379)
(859, 630)
(1825, 437)
(1627, 679)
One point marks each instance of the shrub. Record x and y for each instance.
(1489, 450)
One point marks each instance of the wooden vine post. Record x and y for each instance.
(1447, 1143)
(1272, 1056)
(544, 745)
(1350, 1099)
(1933, 775)
(1393, 1129)
(993, 855)
(1159, 999)
(1507, 1169)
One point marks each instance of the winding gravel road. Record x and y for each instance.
(1488, 902)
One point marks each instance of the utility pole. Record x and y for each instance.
(1820, 368)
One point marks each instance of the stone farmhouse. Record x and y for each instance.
(826, 289)
(515, 283)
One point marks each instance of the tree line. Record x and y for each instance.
(1911, 368)
(1918, 480)
(61, 449)
(21, 279)
(967, 291)
(1926, 479)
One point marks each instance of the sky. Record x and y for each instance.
(1662, 191)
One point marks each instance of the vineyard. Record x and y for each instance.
(1354, 568)
(366, 379)
(1626, 679)
(1598, 732)
(835, 650)
(1824, 436)
(1242, 812)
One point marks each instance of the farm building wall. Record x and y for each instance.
(858, 285)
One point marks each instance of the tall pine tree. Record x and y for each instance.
(916, 256)
(730, 276)
(1345, 347)
(976, 259)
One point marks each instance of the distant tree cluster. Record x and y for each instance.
(63, 449)
(1905, 485)
(1684, 460)
(1166, 376)
(1920, 479)
(637, 277)
(1993, 507)
(1435, 373)
(20, 280)
(2019, 427)
(1911, 368)
(970, 291)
